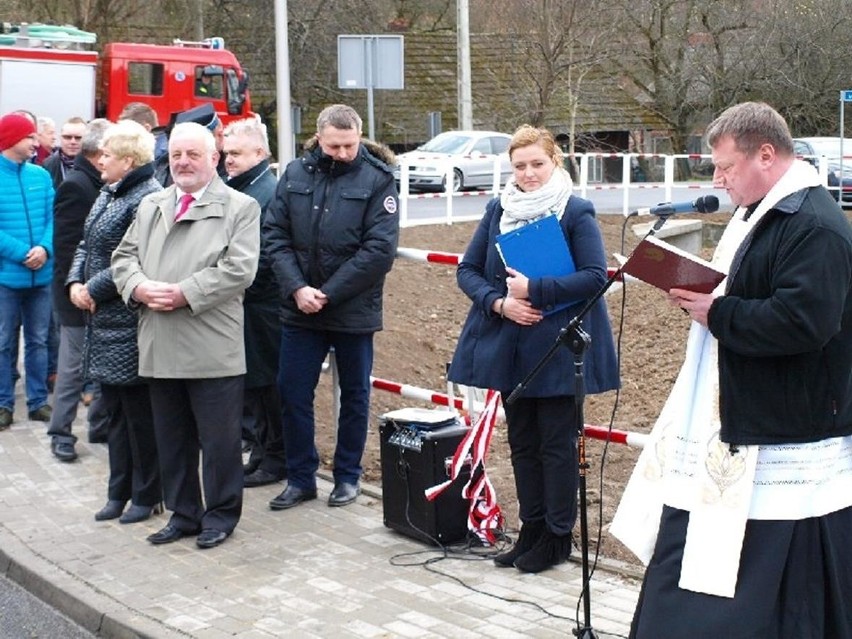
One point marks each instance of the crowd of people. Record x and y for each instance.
(195, 343)
(201, 296)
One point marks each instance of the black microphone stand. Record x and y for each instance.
(577, 340)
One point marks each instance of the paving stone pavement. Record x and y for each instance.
(312, 571)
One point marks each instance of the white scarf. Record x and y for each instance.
(683, 464)
(522, 207)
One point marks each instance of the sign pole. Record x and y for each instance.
(369, 65)
(369, 62)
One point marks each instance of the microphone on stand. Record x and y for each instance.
(704, 204)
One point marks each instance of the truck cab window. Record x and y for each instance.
(145, 78)
(236, 91)
(208, 82)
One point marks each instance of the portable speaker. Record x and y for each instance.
(414, 459)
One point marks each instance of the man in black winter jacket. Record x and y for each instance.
(246, 151)
(74, 198)
(332, 234)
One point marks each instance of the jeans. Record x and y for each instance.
(32, 306)
(302, 355)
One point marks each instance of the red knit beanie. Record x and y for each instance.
(13, 129)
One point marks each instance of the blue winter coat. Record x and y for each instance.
(26, 220)
(493, 352)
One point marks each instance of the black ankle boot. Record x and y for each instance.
(113, 509)
(550, 550)
(527, 538)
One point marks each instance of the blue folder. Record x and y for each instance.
(538, 250)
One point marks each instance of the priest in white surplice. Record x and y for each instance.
(741, 501)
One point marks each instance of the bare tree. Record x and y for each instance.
(692, 58)
(557, 45)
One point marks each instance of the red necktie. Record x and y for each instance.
(185, 200)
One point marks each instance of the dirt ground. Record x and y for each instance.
(424, 312)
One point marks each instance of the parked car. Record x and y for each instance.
(814, 148)
(471, 154)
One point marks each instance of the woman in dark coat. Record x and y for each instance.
(514, 321)
(110, 354)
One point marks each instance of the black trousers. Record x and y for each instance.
(793, 583)
(134, 472)
(262, 405)
(200, 418)
(543, 444)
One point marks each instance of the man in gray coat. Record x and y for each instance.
(185, 262)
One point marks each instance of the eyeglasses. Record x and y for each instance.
(65, 136)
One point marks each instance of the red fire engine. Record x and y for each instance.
(46, 69)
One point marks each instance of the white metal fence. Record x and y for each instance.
(658, 169)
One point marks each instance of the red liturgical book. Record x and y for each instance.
(666, 267)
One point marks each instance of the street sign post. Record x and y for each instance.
(370, 62)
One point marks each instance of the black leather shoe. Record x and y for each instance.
(260, 477)
(137, 513)
(98, 436)
(292, 496)
(210, 538)
(169, 533)
(113, 509)
(63, 451)
(343, 494)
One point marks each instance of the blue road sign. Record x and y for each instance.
(846, 96)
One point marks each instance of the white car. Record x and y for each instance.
(471, 154)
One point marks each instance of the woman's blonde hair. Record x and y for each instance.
(527, 135)
(129, 139)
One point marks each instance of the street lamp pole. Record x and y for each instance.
(282, 85)
(463, 32)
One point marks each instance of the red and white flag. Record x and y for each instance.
(485, 518)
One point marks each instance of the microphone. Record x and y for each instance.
(704, 204)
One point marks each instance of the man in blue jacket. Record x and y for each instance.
(26, 244)
(332, 234)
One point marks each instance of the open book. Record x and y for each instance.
(665, 266)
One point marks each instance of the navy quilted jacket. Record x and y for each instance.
(110, 353)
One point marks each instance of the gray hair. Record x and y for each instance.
(44, 121)
(93, 135)
(252, 128)
(340, 116)
(751, 125)
(195, 130)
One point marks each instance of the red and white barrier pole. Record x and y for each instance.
(440, 257)
(634, 440)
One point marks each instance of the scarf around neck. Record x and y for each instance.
(522, 207)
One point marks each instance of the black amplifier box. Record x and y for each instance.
(413, 460)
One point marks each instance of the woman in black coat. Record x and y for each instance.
(513, 322)
(110, 354)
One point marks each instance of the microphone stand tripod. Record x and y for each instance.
(577, 341)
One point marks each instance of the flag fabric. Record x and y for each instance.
(485, 519)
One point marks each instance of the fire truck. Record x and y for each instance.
(51, 71)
